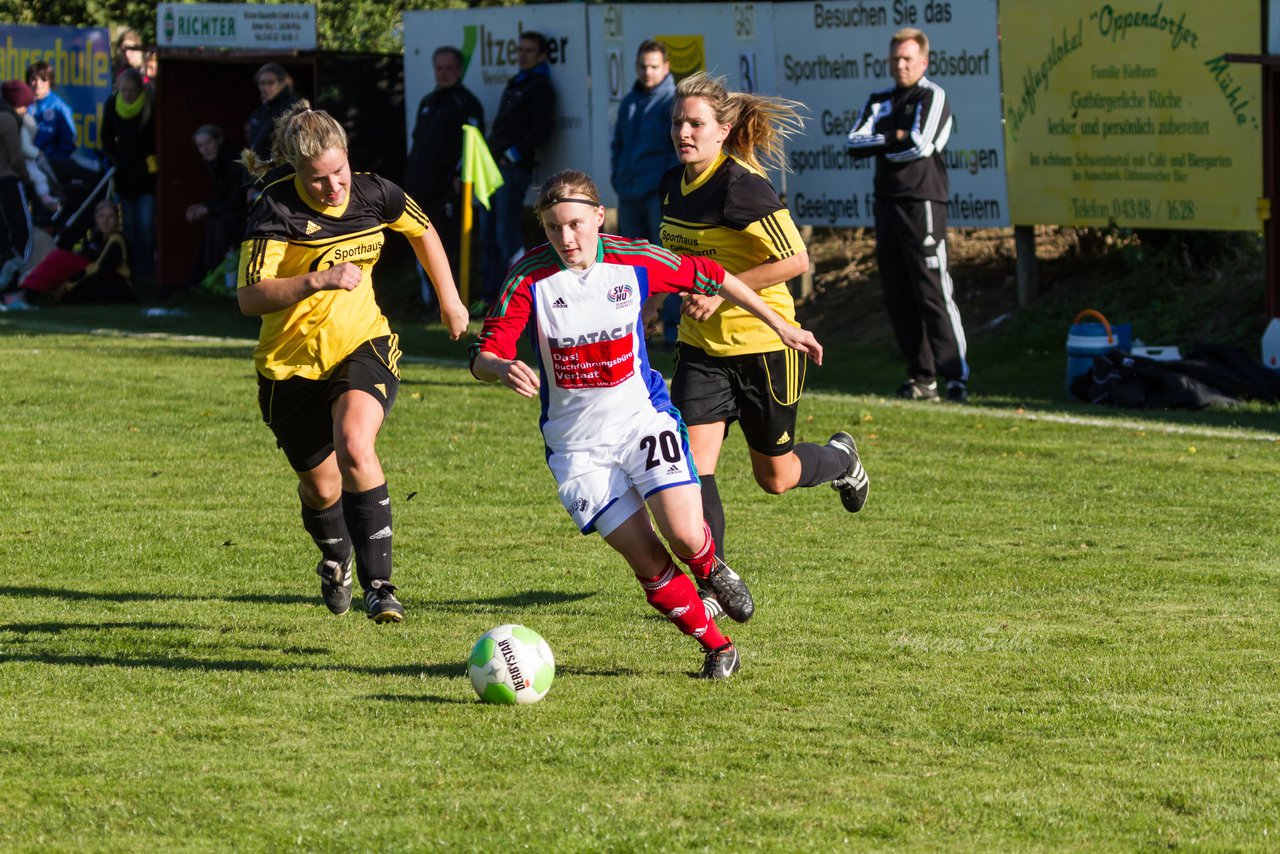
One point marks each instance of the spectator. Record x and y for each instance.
(96, 272)
(129, 52)
(56, 127)
(641, 153)
(431, 176)
(41, 175)
(221, 215)
(15, 240)
(905, 129)
(151, 66)
(524, 123)
(129, 139)
(275, 88)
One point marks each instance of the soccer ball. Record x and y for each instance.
(511, 664)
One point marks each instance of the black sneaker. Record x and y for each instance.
(381, 603)
(914, 389)
(721, 662)
(335, 584)
(854, 485)
(730, 591)
(957, 391)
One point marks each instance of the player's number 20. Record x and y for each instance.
(666, 443)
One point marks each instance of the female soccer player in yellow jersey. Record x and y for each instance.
(327, 359)
(730, 366)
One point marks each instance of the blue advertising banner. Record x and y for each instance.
(81, 59)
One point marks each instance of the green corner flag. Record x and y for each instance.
(478, 168)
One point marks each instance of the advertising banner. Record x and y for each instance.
(487, 38)
(81, 60)
(1129, 114)
(831, 56)
(242, 26)
(733, 40)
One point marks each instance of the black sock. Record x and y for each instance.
(713, 511)
(328, 529)
(820, 463)
(368, 516)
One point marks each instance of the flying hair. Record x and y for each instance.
(760, 124)
(300, 134)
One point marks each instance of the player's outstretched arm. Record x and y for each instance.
(270, 295)
(431, 255)
(513, 373)
(740, 294)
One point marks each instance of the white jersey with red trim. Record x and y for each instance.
(587, 333)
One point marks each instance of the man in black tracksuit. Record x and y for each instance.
(432, 174)
(905, 128)
(525, 120)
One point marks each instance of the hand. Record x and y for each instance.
(803, 341)
(519, 377)
(195, 212)
(701, 307)
(652, 314)
(455, 318)
(340, 277)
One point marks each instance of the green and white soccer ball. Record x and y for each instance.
(511, 664)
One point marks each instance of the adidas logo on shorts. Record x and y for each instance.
(675, 469)
(559, 303)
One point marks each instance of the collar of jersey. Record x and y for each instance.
(599, 255)
(687, 187)
(316, 206)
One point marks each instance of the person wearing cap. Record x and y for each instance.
(15, 215)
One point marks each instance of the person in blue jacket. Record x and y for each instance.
(55, 126)
(642, 152)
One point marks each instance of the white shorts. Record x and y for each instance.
(604, 486)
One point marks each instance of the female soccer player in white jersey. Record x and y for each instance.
(614, 442)
(327, 360)
(730, 367)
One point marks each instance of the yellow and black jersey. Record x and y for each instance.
(733, 215)
(289, 234)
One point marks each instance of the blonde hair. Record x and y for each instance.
(566, 185)
(910, 34)
(300, 134)
(760, 124)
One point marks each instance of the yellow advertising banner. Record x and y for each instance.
(1128, 113)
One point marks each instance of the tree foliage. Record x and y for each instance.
(343, 25)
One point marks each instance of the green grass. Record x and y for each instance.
(1038, 635)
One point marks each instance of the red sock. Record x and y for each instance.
(704, 561)
(675, 597)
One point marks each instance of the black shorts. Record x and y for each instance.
(759, 390)
(300, 411)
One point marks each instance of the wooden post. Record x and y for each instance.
(1024, 243)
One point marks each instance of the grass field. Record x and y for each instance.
(1039, 634)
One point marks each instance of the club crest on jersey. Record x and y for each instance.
(620, 293)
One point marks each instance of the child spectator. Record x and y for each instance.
(97, 272)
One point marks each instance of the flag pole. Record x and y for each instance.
(464, 268)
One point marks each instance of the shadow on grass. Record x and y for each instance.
(422, 698)
(58, 628)
(527, 599)
(179, 663)
(86, 595)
